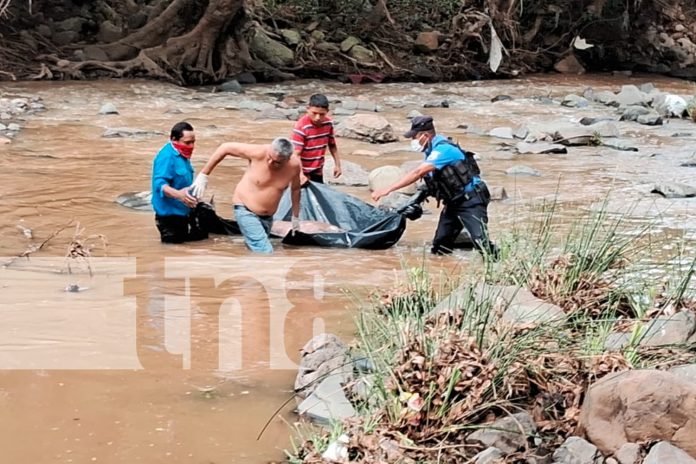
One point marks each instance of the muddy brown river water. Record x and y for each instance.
(181, 354)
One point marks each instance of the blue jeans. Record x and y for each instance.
(255, 229)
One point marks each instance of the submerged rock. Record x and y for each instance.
(521, 170)
(108, 108)
(127, 132)
(524, 148)
(140, 201)
(674, 190)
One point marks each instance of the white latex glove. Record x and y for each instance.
(199, 185)
(295, 224)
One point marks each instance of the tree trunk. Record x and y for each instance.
(196, 48)
(206, 53)
(154, 33)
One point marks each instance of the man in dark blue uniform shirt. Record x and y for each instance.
(452, 176)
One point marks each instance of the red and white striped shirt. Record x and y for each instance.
(312, 141)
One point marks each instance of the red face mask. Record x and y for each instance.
(184, 150)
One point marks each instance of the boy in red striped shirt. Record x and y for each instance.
(312, 135)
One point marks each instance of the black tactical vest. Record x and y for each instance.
(449, 182)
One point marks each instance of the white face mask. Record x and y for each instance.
(416, 146)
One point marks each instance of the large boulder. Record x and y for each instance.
(384, 176)
(353, 174)
(362, 54)
(322, 357)
(674, 190)
(368, 127)
(569, 65)
(427, 41)
(669, 105)
(109, 32)
(640, 406)
(271, 51)
(631, 95)
(517, 305)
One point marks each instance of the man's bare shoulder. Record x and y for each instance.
(294, 163)
(247, 150)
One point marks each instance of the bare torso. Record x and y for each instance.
(263, 184)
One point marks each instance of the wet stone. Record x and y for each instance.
(328, 402)
(108, 108)
(521, 170)
(126, 132)
(540, 147)
(436, 104)
(502, 132)
(590, 121)
(574, 101)
(690, 163)
(650, 119)
(231, 85)
(619, 144)
(674, 190)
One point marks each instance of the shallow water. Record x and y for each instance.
(183, 353)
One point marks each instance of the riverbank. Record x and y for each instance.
(353, 41)
(557, 353)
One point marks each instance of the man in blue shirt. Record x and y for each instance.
(172, 176)
(452, 176)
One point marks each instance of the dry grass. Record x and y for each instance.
(439, 376)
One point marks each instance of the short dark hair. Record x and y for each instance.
(178, 130)
(319, 100)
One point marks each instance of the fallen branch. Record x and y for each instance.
(386, 60)
(356, 62)
(34, 248)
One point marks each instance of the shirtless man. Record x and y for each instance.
(272, 168)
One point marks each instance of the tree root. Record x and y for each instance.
(74, 70)
(195, 57)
